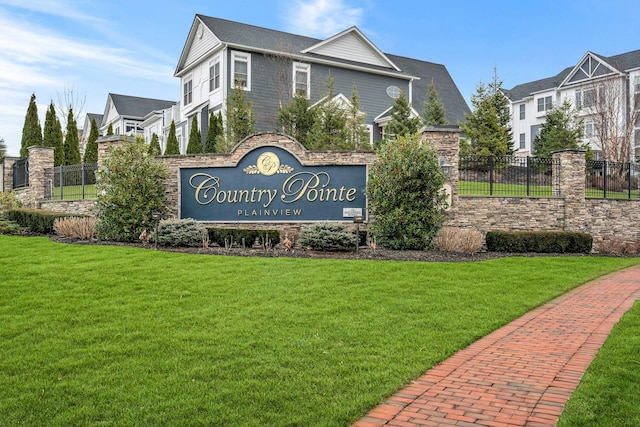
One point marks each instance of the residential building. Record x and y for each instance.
(605, 91)
(86, 129)
(126, 114)
(272, 66)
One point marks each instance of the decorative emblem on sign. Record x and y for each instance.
(268, 164)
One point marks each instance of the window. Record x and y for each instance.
(241, 70)
(132, 128)
(188, 91)
(522, 141)
(521, 111)
(214, 74)
(586, 98)
(588, 130)
(544, 104)
(301, 79)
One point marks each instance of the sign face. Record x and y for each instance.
(270, 185)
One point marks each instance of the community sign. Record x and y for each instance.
(269, 184)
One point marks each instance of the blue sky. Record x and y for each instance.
(92, 48)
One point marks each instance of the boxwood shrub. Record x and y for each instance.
(235, 236)
(328, 237)
(36, 220)
(539, 241)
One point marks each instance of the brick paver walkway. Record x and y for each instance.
(523, 373)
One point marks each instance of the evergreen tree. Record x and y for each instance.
(49, 129)
(484, 129)
(501, 105)
(215, 134)
(329, 129)
(561, 130)
(173, 147)
(3, 149)
(401, 124)
(194, 146)
(433, 113)
(110, 130)
(357, 130)
(58, 144)
(31, 130)
(71, 141)
(296, 119)
(240, 119)
(154, 146)
(91, 150)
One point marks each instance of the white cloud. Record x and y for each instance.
(322, 18)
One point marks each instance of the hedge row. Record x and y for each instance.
(228, 236)
(36, 221)
(539, 241)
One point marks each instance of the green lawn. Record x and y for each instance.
(470, 188)
(74, 192)
(609, 393)
(100, 335)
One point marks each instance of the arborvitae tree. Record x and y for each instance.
(31, 130)
(3, 149)
(433, 113)
(58, 144)
(561, 130)
(110, 130)
(216, 142)
(240, 119)
(194, 146)
(401, 124)
(50, 131)
(329, 130)
(484, 129)
(296, 119)
(173, 147)
(357, 130)
(91, 149)
(71, 142)
(154, 146)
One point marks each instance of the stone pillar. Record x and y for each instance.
(106, 144)
(7, 174)
(569, 182)
(446, 140)
(40, 159)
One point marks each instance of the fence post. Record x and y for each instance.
(528, 174)
(82, 179)
(491, 175)
(61, 182)
(604, 179)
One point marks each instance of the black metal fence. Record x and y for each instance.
(507, 176)
(21, 173)
(610, 180)
(71, 182)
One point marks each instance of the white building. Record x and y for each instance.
(604, 90)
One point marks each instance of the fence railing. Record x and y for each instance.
(610, 180)
(71, 182)
(507, 176)
(21, 173)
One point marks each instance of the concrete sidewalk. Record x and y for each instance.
(523, 373)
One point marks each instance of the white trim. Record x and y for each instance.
(240, 57)
(300, 66)
(188, 78)
(217, 59)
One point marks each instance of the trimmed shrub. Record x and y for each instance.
(539, 241)
(234, 236)
(459, 240)
(36, 221)
(328, 237)
(10, 227)
(181, 232)
(76, 227)
(8, 201)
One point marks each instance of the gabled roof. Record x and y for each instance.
(96, 117)
(135, 107)
(621, 63)
(351, 44)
